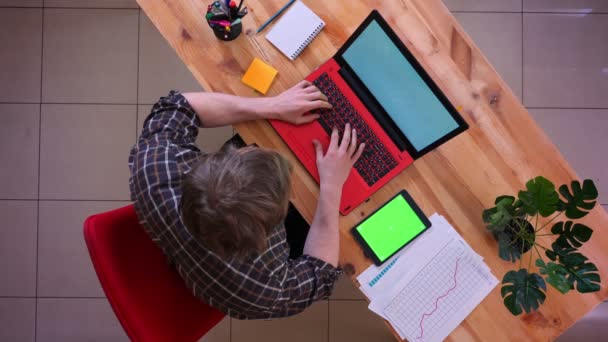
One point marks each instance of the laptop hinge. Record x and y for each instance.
(377, 112)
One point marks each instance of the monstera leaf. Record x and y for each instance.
(505, 210)
(540, 197)
(580, 272)
(507, 249)
(558, 250)
(570, 234)
(556, 275)
(580, 198)
(523, 290)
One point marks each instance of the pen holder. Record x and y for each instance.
(224, 18)
(227, 35)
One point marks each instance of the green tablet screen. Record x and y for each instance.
(391, 228)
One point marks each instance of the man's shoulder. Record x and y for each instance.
(162, 222)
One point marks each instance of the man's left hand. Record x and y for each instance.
(296, 104)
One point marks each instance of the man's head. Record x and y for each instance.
(233, 198)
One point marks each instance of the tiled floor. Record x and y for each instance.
(78, 77)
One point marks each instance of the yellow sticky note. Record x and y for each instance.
(259, 76)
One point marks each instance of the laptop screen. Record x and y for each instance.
(398, 87)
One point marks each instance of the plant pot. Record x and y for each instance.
(514, 227)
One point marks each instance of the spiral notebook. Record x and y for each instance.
(295, 30)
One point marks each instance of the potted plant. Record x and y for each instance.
(514, 222)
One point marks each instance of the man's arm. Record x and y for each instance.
(156, 162)
(296, 290)
(323, 241)
(293, 105)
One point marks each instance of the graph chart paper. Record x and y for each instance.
(441, 295)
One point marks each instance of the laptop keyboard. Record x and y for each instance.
(376, 161)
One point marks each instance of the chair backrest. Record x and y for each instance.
(149, 298)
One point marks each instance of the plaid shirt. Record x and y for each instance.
(267, 286)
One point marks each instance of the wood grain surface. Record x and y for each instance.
(501, 151)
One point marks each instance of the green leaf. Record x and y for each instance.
(580, 198)
(523, 290)
(509, 199)
(557, 250)
(540, 197)
(501, 217)
(556, 275)
(580, 272)
(571, 236)
(506, 209)
(507, 249)
(488, 213)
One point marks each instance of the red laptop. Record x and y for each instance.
(375, 84)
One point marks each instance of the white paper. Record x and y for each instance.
(439, 297)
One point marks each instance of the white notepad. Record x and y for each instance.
(295, 30)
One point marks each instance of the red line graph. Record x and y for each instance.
(437, 302)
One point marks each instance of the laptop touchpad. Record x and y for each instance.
(303, 137)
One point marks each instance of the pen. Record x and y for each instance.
(223, 25)
(220, 22)
(238, 10)
(217, 11)
(233, 11)
(224, 7)
(275, 16)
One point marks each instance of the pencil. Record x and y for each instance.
(276, 15)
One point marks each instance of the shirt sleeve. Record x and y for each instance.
(269, 286)
(280, 286)
(171, 119)
(305, 280)
(157, 163)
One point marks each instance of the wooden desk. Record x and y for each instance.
(502, 150)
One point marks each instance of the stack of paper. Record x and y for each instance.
(431, 286)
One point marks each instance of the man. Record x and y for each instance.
(218, 217)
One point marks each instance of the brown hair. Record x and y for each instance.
(233, 198)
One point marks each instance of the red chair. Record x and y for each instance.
(148, 296)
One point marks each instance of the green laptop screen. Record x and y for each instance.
(390, 228)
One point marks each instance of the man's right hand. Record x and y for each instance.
(297, 104)
(334, 167)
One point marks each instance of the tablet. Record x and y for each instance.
(390, 228)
